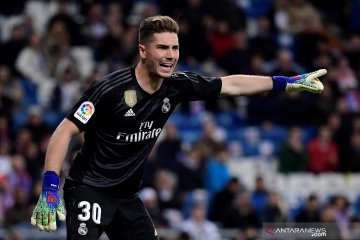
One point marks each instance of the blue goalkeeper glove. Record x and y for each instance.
(304, 82)
(49, 204)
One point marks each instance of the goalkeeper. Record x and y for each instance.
(122, 115)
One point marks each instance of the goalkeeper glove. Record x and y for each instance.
(49, 204)
(304, 82)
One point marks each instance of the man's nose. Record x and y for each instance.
(171, 53)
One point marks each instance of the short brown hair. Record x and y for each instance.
(156, 24)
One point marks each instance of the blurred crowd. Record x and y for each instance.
(52, 50)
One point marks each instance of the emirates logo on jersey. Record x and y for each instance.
(147, 131)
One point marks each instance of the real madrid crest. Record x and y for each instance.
(166, 105)
(130, 98)
(82, 230)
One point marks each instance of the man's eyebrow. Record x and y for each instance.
(166, 45)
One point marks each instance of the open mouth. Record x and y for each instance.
(166, 65)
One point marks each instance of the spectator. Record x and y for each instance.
(95, 27)
(305, 23)
(242, 214)
(195, 24)
(328, 216)
(352, 52)
(295, 108)
(211, 135)
(257, 65)
(311, 212)
(169, 198)
(151, 165)
(262, 107)
(34, 67)
(5, 131)
(67, 90)
(19, 176)
(11, 91)
(260, 196)
(34, 160)
(237, 57)
(111, 46)
(193, 197)
(300, 13)
(217, 172)
(169, 149)
(248, 234)
(6, 197)
(231, 12)
(183, 236)
(322, 152)
(70, 20)
(198, 226)
(285, 64)
(341, 128)
(279, 16)
(19, 213)
(274, 210)
(223, 199)
(263, 42)
(323, 107)
(252, 142)
(150, 199)
(191, 170)
(343, 132)
(5, 159)
(292, 155)
(13, 234)
(221, 39)
(35, 123)
(345, 76)
(6, 103)
(354, 17)
(11, 48)
(352, 153)
(35, 191)
(342, 215)
(22, 139)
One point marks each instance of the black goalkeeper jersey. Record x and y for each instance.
(122, 122)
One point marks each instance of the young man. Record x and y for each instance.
(122, 116)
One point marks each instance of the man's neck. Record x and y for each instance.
(148, 83)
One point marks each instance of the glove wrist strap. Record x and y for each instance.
(51, 181)
(279, 83)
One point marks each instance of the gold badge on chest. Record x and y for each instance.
(130, 98)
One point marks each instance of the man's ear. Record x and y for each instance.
(142, 51)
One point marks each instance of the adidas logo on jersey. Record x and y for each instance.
(129, 113)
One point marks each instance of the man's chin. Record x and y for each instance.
(166, 75)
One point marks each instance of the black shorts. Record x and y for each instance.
(91, 212)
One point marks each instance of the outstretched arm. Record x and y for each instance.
(236, 85)
(58, 145)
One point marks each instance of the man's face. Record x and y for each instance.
(161, 55)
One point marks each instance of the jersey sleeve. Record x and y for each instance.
(85, 110)
(194, 86)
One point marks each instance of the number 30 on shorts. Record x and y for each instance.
(89, 211)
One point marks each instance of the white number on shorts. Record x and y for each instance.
(96, 213)
(85, 208)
